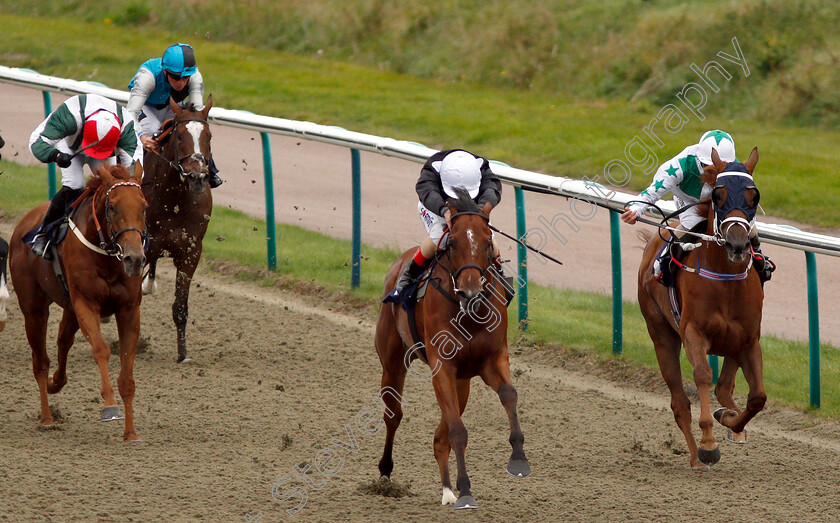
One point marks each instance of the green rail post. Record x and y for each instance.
(615, 237)
(270, 222)
(813, 324)
(522, 259)
(713, 363)
(51, 178)
(355, 266)
(813, 327)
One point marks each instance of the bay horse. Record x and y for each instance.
(462, 324)
(721, 298)
(180, 205)
(4, 291)
(101, 265)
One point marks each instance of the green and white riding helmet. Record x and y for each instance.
(719, 140)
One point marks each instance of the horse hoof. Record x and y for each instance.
(448, 497)
(185, 359)
(134, 440)
(701, 468)
(519, 468)
(708, 457)
(719, 413)
(111, 413)
(466, 502)
(739, 438)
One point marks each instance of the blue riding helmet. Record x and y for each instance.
(179, 60)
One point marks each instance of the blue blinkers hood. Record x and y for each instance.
(736, 179)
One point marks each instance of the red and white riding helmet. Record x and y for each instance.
(101, 134)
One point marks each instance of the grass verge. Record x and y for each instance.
(560, 320)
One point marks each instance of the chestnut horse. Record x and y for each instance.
(4, 292)
(180, 204)
(462, 323)
(102, 264)
(721, 298)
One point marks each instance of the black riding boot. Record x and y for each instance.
(58, 206)
(667, 268)
(761, 262)
(214, 180)
(409, 276)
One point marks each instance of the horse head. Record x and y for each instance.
(470, 246)
(734, 200)
(120, 205)
(190, 145)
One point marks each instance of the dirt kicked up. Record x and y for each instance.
(277, 378)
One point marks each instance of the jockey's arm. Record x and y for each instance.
(128, 147)
(144, 84)
(428, 190)
(668, 176)
(196, 87)
(60, 124)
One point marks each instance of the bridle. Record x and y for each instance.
(177, 164)
(718, 224)
(115, 249)
(721, 228)
(453, 273)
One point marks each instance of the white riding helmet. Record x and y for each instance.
(460, 169)
(719, 140)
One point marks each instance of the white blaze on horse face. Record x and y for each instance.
(473, 243)
(195, 128)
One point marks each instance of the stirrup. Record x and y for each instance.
(40, 245)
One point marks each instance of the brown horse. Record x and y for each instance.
(462, 323)
(101, 263)
(4, 292)
(721, 300)
(180, 204)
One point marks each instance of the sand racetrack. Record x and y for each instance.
(277, 377)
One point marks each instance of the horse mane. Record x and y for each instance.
(117, 171)
(464, 203)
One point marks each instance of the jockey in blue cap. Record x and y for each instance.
(175, 76)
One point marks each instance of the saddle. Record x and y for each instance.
(56, 231)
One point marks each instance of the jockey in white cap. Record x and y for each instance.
(443, 172)
(86, 129)
(681, 176)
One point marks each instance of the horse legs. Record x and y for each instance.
(442, 446)
(446, 391)
(87, 315)
(149, 285)
(497, 377)
(35, 314)
(723, 391)
(394, 378)
(696, 347)
(667, 344)
(180, 308)
(66, 334)
(128, 327)
(752, 367)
